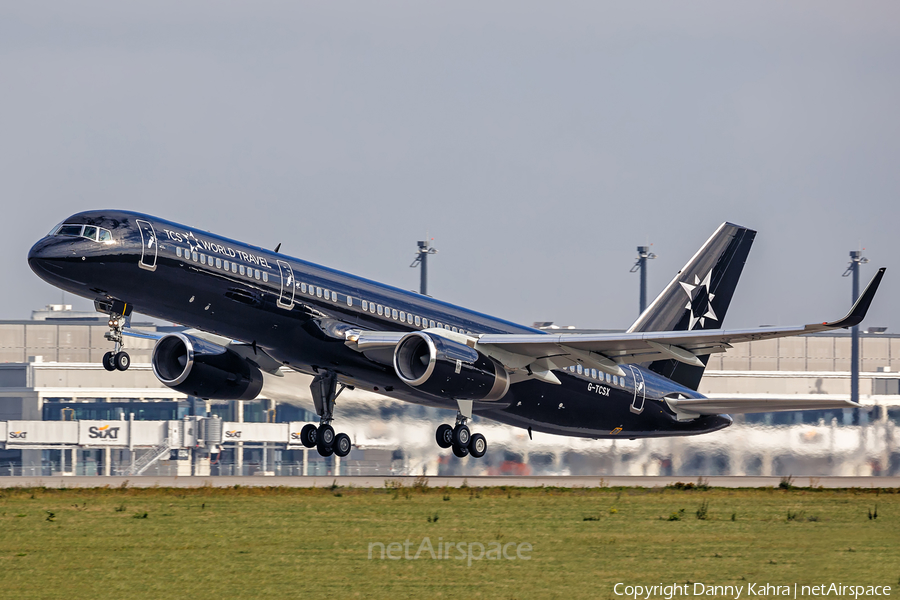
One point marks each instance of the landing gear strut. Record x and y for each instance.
(324, 392)
(458, 437)
(117, 360)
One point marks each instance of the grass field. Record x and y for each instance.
(293, 543)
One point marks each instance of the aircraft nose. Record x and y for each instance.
(43, 253)
(36, 253)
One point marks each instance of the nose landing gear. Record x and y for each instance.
(118, 311)
(459, 438)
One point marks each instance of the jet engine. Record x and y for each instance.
(447, 369)
(203, 369)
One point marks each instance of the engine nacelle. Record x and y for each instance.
(203, 369)
(448, 369)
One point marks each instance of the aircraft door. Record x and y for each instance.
(286, 297)
(149, 245)
(637, 404)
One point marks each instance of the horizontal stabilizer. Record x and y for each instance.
(689, 408)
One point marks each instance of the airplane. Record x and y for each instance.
(253, 311)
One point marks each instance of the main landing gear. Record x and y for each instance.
(323, 438)
(118, 360)
(458, 437)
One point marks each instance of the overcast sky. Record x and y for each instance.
(537, 142)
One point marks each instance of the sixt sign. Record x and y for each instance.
(18, 435)
(103, 433)
(106, 432)
(234, 434)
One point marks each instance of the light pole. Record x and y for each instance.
(644, 255)
(856, 259)
(422, 261)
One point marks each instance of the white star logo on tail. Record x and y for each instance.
(699, 292)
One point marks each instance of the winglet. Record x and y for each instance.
(861, 306)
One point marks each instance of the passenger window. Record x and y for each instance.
(319, 292)
(256, 274)
(594, 373)
(70, 230)
(234, 267)
(105, 235)
(242, 269)
(372, 307)
(579, 369)
(178, 251)
(380, 310)
(349, 301)
(265, 275)
(218, 263)
(608, 378)
(394, 313)
(90, 232)
(203, 259)
(431, 323)
(226, 265)
(402, 316)
(194, 256)
(334, 296)
(302, 288)
(365, 305)
(439, 325)
(418, 321)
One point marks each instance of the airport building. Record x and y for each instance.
(85, 420)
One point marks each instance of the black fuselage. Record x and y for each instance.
(292, 309)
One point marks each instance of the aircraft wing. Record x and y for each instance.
(529, 356)
(608, 351)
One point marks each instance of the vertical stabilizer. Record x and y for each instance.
(699, 295)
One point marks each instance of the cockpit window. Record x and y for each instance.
(97, 234)
(70, 230)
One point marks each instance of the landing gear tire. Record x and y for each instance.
(341, 444)
(122, 361)
(461, 436)
(324, 450)
(460, 451)
(309, 435)
(325, 440)
(444, 436)
(109, 362)
(325, 435)
(477, 445)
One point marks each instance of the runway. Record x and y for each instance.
(437, 482)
